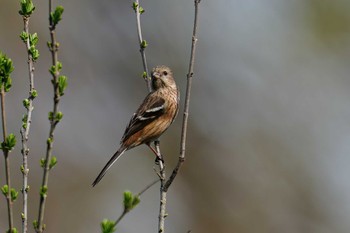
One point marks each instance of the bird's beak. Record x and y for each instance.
(155, 75)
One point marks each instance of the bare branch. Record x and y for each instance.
(163, 200)
(187, 100)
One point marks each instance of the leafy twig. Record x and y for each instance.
(130, 202)
(59, 84)
(143, 43)
(30, 41)
(9, 142)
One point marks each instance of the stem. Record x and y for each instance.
(120, 217)
(25, 131)
(142, 49)
(187, 101)
(7, 160)
(53, 122)
(163, 192)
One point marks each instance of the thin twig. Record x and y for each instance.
(120, 217)
(187, 101)
(161, 173)
(7, 160)
(147, 187)
(142, 48)
(25, 131)
(163, 193)
(53, 122)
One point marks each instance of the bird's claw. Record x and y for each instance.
(158, 158)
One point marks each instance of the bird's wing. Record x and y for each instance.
(152, 107)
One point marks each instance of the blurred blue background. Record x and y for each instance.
(268, 143)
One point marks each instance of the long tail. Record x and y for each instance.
(108, 165)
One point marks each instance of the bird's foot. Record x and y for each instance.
(159, 158)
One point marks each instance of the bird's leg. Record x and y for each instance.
(159, 157)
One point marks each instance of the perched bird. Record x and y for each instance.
(152, 118)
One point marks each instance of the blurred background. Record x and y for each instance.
(269, 133)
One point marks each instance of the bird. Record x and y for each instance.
(153, 117)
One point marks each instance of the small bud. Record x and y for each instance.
(143, 44)
(26, 103)
(108, 226)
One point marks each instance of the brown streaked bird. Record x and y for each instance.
(152, 118)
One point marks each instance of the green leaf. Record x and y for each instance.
(59, 116)
(130, 201)
(127, 200)
(26, 103)
(35, 224)
(135, 201)
(56, 68)
(34, 52)
(9, 142)
(56, 16)
(33, 39)
(50, 116)
(24, 121)
(43, 191)
(42, 162)
(6, 67)
(62, 84)
(33, 93)
(107, 226)
(143, 44)
(25, 118)
(59, 66)
(144, 75)
(7, 84)
(5, 189)
(13, 230)
(49, 140)
(24, 36)
(27, 7)
(134, 6)
(14, 194)
(53, 162)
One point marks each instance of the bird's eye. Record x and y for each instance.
(165, 73)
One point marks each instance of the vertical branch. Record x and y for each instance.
(9, 141)
(59, 84)
(143, 44)
(163, 193)
(7, 160)
(165, 184)
(27, 119)
(187, 100)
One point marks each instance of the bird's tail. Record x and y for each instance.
(108, 165)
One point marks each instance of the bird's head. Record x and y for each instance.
(162, 76)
